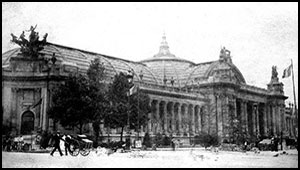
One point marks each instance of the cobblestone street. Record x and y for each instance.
(155, 159)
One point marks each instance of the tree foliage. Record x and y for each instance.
(96, 75)
(135, 107)
(116, 114)
(88, 98)
(140, 108)
(71, 102)
(80, 99)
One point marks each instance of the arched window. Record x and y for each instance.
(27, 122)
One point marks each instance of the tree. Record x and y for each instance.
(122, 105)
(81, 99)
(71, 102)
(96, 75)
(139, 110)
(116, 115)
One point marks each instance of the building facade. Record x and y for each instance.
(186, 97)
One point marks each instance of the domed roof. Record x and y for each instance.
(67, 56)
(164, 68)
(7, 55)
(168, 68)
(112, 65)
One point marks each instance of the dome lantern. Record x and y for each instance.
(164, 48)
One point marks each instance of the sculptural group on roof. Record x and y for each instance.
(32, 46)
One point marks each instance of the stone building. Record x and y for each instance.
(186, 97)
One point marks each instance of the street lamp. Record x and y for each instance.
(130, 79)
(141, 78)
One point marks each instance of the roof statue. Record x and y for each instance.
(33, 46)
(224, 52)
(274, 72)
(274, 78)
(225, 55)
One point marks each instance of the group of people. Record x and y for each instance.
(56, 143)
(10, 143)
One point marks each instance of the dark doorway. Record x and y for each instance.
(27, 122)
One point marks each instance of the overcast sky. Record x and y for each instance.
(259, 35)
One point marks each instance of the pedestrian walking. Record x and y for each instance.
(56, 138)
(272, 144)
(67, 144)
(276, 141)
(245, 146)
(173, 144)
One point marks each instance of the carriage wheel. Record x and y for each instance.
(84, 151)
(74, 148)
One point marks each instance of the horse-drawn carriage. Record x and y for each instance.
(80, 144)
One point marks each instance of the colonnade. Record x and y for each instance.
(188, 118)
(261, 119)
(176, 118)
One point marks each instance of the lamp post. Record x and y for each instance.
(141, 78)
(130, 79)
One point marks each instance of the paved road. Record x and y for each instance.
(156, 159)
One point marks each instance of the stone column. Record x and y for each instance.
(150, 118)
(158, 121)
(180, 119)
(265, 119)
(185, 118)
(165, 117)
(234, 106)
(288, 126)
(13, 114)
(193, 120)
(254, 108)
(269, 118)
(283, 118)
(205, 119)
(37, 97)
(291, 126)
(273, 119)
(219, 115)
(257, 117)
(280, 118)
(173, 117)
(276, 118)
(199, 118)
(245, 115)
(44, 102)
